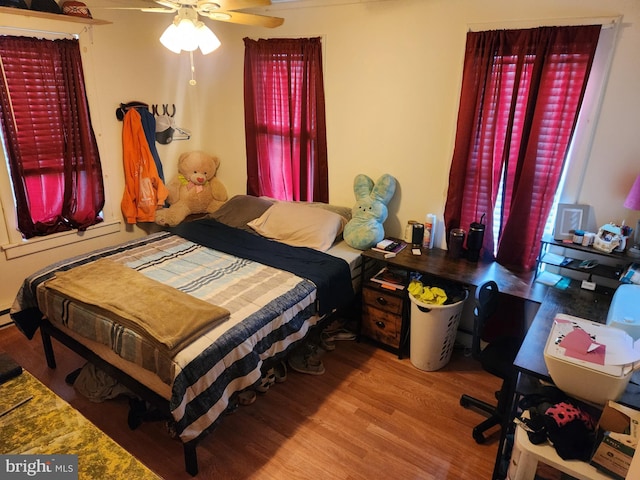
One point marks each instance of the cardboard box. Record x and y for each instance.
(618, 427)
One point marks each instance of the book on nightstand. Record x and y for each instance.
(8, 368)
(395, 279)
(389, 245)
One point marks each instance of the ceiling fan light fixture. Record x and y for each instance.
(188, 38)
(207, 40)
(171, 39)
(188, 33)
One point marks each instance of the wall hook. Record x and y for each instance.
(124, 107)
(165, 110)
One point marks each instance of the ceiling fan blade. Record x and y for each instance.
(157, 10)
(139, 9)
(246, 19)
(169, 4)
(226, 5)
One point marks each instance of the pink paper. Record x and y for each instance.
(578, 344)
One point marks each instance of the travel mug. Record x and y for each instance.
(456, 240)
(418, 234)
(474, 241)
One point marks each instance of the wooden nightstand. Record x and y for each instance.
(383, 315)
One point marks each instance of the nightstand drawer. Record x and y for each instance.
(380, 325)
(387, 301)
(382, 314)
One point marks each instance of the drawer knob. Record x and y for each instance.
(380, 324)
(381, 300)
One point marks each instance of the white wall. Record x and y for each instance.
(392, 79)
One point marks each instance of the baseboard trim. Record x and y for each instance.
(4, 317)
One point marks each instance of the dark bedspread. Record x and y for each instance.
(331, 275)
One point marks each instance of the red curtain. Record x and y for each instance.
(285, 125)
(520, 99)
(52, 152)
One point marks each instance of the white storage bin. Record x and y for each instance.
(576, 375)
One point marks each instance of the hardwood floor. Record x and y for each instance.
(370, 416)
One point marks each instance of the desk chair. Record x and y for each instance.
(496, 357)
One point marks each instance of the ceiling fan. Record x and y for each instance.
(220, 10)
(188, 33)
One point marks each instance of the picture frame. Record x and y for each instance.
(571, 217)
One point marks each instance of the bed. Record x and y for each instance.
(263, 273)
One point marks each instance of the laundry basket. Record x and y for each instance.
(433, 332)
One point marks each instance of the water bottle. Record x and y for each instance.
(429, 230)
(475, 240)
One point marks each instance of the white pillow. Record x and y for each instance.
(299, 225)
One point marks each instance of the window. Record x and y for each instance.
(521, 95)
(285, 119)
(48, 139)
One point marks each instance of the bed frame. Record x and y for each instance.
(47, 331)
(161, 404)
(328, 287)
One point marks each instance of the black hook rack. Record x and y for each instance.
(124, 107)
(165, 110)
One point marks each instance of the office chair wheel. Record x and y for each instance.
(478, 436)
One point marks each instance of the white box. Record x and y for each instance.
(624, 312)
(583, 376)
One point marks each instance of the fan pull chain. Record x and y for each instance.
(193, 69)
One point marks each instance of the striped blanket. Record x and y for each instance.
(270, 311)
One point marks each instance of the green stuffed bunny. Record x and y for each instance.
(365, 228)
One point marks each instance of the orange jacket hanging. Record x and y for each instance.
(144, 191)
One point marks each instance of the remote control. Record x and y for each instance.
(392, 246)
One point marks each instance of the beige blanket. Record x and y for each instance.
(166, 316)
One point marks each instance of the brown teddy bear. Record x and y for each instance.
(195, 190)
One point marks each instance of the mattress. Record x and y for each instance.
(243, 287)
(352, 256)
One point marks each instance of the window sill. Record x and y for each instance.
(40, 244)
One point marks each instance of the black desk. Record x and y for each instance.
(530, 362)
(436, 262)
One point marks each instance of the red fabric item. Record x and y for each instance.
(285, 123)
(520, 98)
(564, 413)
(52, 152)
